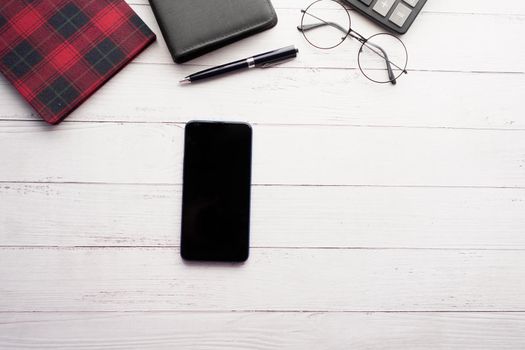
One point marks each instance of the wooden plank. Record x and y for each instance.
(458, 46)
(313, 155)
(131, 215)
(291, 96)
(75, 151)
(516, 7)
(139, 279)
(302, 330)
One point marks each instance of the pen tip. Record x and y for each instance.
(185, 81)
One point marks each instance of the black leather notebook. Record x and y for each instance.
(194, 27)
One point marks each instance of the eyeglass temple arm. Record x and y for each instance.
(385, 56)
(307, 27)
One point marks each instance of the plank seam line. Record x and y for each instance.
(181, 125)
(265, 311)
(176, 247)
(419, 70)
(162, 184)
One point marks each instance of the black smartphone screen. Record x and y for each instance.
(216, 191)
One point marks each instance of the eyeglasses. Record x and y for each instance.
(382, 58)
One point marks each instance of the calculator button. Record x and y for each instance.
(412, 3)
(366, 2)
(400, 14)
(383, 6)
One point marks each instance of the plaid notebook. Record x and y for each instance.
(58, 52)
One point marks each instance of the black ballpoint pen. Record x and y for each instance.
(261, 60)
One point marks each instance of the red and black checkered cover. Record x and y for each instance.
(58, 52)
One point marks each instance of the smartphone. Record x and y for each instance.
(216, 191)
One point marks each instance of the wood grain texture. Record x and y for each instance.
(383, 217)
(313, 155)
(259, 331)
(282, 216)
(139, 279)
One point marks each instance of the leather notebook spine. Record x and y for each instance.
(160, 21)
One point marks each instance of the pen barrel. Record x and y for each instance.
(274, 56)
(260, 60)
(219, 70)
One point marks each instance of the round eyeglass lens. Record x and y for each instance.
(380, 52)
(325, 24)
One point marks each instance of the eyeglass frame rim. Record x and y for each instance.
(360, 38)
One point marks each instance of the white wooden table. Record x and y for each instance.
(383, 217)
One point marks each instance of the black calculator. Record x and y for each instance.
(395, 15)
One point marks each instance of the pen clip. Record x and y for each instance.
(275, 63)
